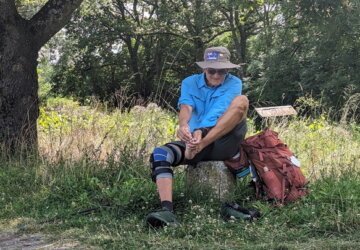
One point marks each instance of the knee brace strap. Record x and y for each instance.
(162, 158)
(161, 167)
(177, 152)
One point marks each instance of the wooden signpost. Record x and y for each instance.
(276, 111)
(268, 115)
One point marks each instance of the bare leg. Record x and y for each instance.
(190, 152)
(191, 148)
(164, 186)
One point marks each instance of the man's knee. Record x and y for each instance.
(240, 102)
(162, 159)
(240, 105)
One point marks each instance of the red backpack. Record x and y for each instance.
(279, 175)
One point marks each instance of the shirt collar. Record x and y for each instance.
(202, 83)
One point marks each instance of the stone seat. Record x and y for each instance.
(213, 176)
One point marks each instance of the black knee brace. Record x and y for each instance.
(160, 167)
(163, 158)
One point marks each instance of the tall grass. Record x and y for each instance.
(68, 131)
(92, 182)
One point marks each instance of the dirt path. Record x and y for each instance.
(34, 241)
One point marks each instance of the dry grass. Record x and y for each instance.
(72, 132)
(68, 132)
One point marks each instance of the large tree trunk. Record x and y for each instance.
(18, 86)
(20, 42)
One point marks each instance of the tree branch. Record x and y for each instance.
(216, 35)
(155, 33)
(51, 18)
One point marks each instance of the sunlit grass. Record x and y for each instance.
(92, 183)
(68, 131)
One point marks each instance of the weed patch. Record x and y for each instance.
(100, 193)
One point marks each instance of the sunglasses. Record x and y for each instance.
(220, 72)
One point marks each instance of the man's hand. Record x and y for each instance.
(194, 146)
(184, 133)
(196, 138)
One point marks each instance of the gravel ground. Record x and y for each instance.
(11, 240)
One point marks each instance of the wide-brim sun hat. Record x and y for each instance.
(217, 58)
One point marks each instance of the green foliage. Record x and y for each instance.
(142, 50)
(27, 8)
(44, 71)
(136, 45)
(314, 51)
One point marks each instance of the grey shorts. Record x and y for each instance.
(222, 149)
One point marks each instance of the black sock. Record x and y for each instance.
(168, 205)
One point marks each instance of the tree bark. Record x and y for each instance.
(20, 42)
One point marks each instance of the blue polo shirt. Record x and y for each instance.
(208, 103)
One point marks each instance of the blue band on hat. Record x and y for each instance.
(213, 55)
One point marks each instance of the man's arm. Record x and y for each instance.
(221, 104)
(236, 112)
(184, 117)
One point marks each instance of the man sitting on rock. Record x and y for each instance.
(212, 124)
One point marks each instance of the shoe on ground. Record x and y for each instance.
(161, 218)
(232, 211)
